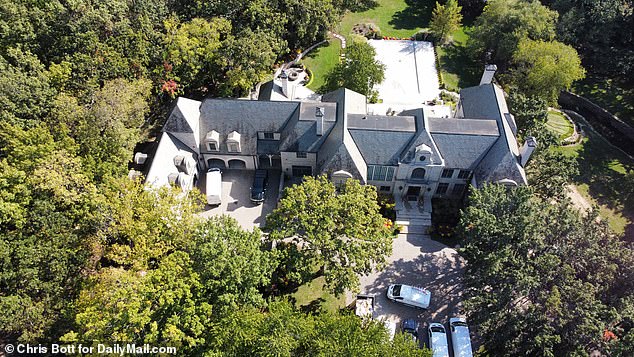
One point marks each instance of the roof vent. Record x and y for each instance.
(139, 158)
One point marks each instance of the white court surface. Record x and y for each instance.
(410, 71)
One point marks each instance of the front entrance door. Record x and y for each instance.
(412, 193)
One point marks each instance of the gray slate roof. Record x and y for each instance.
(463, 151)
(380, 147)
(247, 117)
(463, 126)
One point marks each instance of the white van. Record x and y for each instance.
(460, 338)
(409, 295)
(214, 186)
(438, 340)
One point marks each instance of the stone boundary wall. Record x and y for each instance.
(618, 132)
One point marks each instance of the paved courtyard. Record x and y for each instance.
(410, 71)
(417, 260)
(236, 186)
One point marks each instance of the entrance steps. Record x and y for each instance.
(412, 217)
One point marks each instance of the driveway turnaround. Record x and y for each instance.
(417, 260)
(410, 71)
(236, 203)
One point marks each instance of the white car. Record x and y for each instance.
(409, 295)
(460, 339)
(438, 340)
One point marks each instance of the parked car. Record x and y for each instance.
(410, 328)
(460, 339)
(409, 295)
(258, 189)
(213, 186)
(438, 340)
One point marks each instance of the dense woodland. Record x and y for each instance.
(88, 255)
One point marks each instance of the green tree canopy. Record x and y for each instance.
(445, 20)
(542, 279)
(340, 232)
(498, 30)
(543, 69)
(359, 71)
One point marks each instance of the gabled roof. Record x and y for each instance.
(184, 117)
(163, 165)
(339, 151)
(247, 117)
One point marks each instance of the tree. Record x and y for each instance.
(595, 29)
(550, 172)
(543, 69)
(359, 71)
(497, 32)
(283, 331)
(445, 20)
(341, 233)
(163, 306)
(231, 262)
(192, 51)
(47, 232)
(541, 279)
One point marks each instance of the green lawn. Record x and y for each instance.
(312, 295)
(614, 96)
(602, 168)
(321, 61)
(457, 68)
(393, 17)
(558, 124)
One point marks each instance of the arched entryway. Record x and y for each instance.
(418, 173)
(264, 162)
(237, 164)
(216, 163)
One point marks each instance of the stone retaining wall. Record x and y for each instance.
(610, 126)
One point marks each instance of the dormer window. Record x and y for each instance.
(233, 142)
(212, 140)
(269, 136)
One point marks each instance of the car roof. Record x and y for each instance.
(410, 324)
(418, 295)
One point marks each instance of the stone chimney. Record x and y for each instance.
(287, 87)
(527, 149)
(489, 72)
(319, 116)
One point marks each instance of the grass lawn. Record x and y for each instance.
(602, 168)
(456, 65)
(393, 17)
(321, 61)
(559, 125)
(613, 96)
(312, 295)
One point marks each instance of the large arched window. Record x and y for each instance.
(418, 173)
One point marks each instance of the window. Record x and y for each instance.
(211, 146)
(380, 173)
(233, 147)
(422, 158)
(301, 155)
(464, 174)
(418, 174)
(447, 173)
(458, 189)
(442, 188)
(384, 188)
(269, 136)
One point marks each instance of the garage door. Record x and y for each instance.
(237, 164)
(299, 171)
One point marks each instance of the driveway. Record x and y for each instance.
(236, 186)
(417, 260)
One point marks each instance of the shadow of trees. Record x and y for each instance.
(609, 187)
(416, 14)
(459, 60)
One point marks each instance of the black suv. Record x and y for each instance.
(259, 186)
